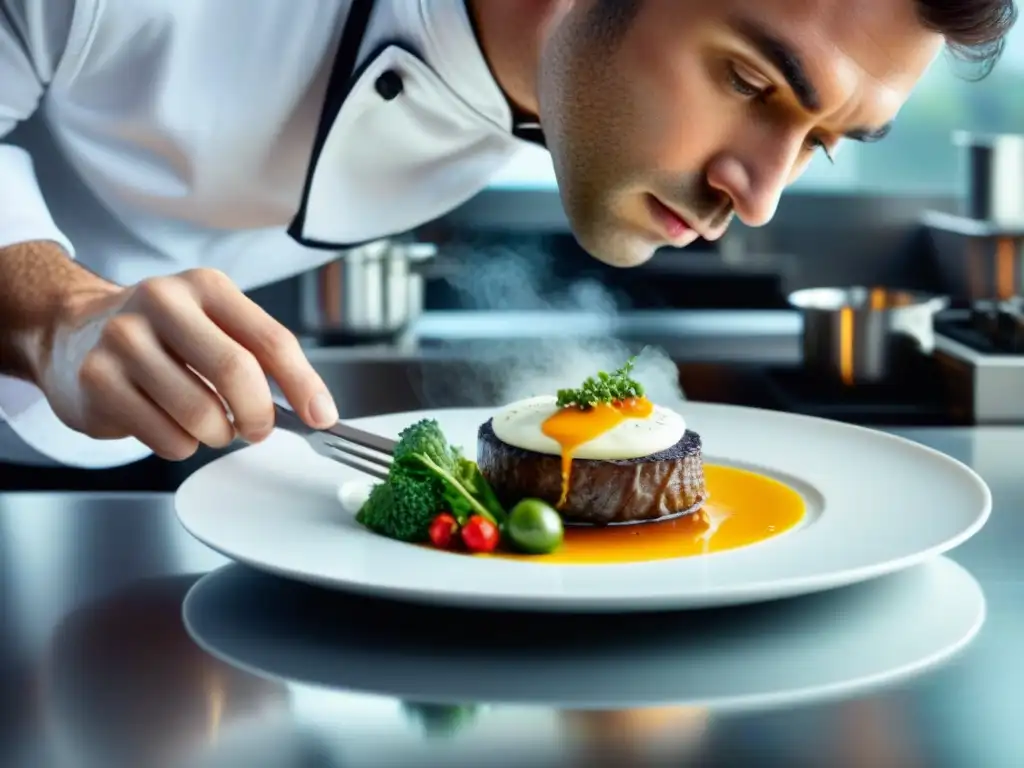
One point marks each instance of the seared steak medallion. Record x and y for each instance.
(663, 484)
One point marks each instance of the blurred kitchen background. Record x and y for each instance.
(887, 291)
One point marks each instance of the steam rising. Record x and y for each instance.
(504, 371)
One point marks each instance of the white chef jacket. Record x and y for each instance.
(260, 138)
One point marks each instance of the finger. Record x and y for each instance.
(152, 426)
(167, 382)
(116, 409)
(275, 347)
(233, 371)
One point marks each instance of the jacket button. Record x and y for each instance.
(389, 85)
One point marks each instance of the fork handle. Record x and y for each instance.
(285, 418)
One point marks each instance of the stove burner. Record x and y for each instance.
(990, 327)
(1003, 323)
(981, 359)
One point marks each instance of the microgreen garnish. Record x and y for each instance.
(603, 388)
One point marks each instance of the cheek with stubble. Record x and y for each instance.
(591, 130)
(603, 203)
(600, 198)
(678, 123)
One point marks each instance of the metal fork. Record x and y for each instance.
(351, 446)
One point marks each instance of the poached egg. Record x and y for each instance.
(629, 429)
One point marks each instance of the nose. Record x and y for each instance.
(754, 174)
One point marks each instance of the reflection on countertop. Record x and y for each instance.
(738, 661)
(123, 684)
(100, 667)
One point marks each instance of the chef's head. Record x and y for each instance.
(701, 110)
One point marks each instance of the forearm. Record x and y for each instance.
(35, 270)
(38, 285)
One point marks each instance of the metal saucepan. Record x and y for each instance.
(864, 335)
(994, 173)
(373, 292)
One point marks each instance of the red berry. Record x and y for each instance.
(480, 534)
(443, 530)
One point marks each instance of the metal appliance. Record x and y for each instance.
(973, 375)
(864, 335)
(372, 293)
(994, 170)
(979, 344)
(980, 352)
(962, 362)
(979, 259)
(976, 261)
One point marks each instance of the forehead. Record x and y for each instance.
(862, 55)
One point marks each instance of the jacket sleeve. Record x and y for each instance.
(34, 38)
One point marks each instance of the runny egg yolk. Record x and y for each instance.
(572, 427)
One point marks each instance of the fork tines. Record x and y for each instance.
(359, 457)
(348, 445)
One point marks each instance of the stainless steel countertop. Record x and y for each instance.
(96, 668)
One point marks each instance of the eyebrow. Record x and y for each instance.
(784, 57)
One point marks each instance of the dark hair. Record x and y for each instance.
(975, 30)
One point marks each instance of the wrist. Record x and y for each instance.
(70, 309)
(41, 291)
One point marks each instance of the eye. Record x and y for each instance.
(814, 143)
(743, 86)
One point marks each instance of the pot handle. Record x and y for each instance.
(920, 326)
(418, 257)
(418, 253)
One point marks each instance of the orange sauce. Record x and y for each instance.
(744, 508)
(572, 427)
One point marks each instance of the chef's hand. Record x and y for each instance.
(120, 359)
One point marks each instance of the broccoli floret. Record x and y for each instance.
(425, 438)
(427, 475)
(424, 450)
(376, 512)
(457, 490)
(402, 507)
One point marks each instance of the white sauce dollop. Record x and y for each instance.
(519, 424)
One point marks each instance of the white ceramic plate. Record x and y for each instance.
(738, 659)
(876, 504)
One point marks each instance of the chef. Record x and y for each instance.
(161, 156)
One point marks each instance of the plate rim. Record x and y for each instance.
(749, 591)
